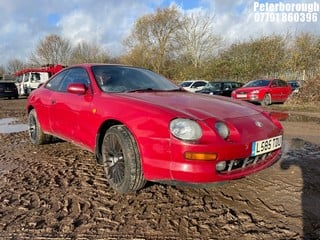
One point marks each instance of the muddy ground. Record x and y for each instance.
(57, 191)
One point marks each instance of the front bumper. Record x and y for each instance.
(237, 157)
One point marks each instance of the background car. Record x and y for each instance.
(264, 91)
(295, 85)
(193, 85)
(8, 90)
(142, 127)
(223, 88)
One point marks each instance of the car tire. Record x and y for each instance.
(121, 160)
(37, 136)
(266, 100)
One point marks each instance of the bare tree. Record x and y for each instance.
(197, 39)
(14, 65)
(53, 49)
(153, 38)
(88, 52)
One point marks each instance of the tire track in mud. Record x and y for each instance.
(57, 190)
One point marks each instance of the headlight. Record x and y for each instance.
(255, 92)
(185, 129)
(222, 129)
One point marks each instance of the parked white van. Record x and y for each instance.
(29, 79)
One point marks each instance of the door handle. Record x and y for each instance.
(53, 102)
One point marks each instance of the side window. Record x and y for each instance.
(275, 83)
(35, 77)
(80, 76)
(26, 77)
(227, 86)
(282, 83)
(19, 79)
(75, 75)
(54, 83)
(236, 85)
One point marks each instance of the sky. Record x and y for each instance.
(23, 23)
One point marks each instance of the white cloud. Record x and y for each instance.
(79, 26)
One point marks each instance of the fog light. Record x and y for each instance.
(253, 97)
(200, 156)
(222, 129)
(221, 166)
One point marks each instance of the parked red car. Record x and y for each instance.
(141, 126)
(264, 91)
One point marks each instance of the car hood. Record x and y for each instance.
(248, 89)
(197, 106)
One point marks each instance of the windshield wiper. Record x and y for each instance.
(142, 90)
(156, 90)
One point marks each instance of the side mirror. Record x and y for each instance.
(77, 88)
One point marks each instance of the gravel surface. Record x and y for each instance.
(57, 191)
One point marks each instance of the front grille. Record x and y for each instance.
(244, 163)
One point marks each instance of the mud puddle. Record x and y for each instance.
(294, 117)
(10, 125)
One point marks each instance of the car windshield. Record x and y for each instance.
(130, 79)
(186, 84)
(257, 83)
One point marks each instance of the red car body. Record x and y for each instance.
(84, 113)
(264, 91)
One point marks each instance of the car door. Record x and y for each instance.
(285, 90)
(43, 109)
(66, 108)
(227, 89)
(275, 90)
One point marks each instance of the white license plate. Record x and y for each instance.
(241, 95)
(266, 145)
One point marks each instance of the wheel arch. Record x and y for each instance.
(29, 108)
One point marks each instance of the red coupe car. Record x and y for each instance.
(142, 127)
(264, 91)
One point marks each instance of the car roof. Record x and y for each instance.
(100, 64)
(196, 80)
(224, 81)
